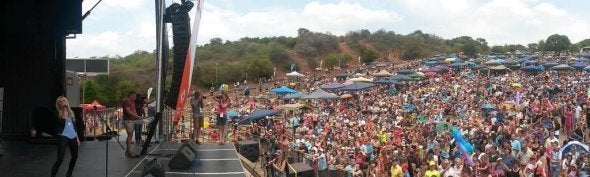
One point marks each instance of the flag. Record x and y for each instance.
(187, 73)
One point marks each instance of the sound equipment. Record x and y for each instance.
(178, 15)
(153, 168)
(300, 170)
(79, 124)
(191, 145)
(183, 158)
(72, 16)
(249, 149)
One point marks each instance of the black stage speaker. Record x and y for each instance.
(153, 168)
(181, 34)
(80, 125)
(183, 158)
(190, 145)
(300, 170)
(72, 16)
(249, 149)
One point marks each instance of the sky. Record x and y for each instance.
(120, 27)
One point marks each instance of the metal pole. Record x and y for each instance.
(159, 29)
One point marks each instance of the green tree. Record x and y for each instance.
(557, 43)
(368, 55)
(498, 49)
(123, 88)
(337, 60)
(413, 50)
(533, 47)
(92, 91)
(470, 49)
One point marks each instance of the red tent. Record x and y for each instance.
(88, 107)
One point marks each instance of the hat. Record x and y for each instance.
(431, 163)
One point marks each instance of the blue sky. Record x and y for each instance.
(120, 27)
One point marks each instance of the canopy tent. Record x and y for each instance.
(578, 65)
(382, 73)
(400, 77)
(385, 82)
(405, 71)
(361, 79)
(587, 68)
(416, 76)
(295, 106)
(295, 74)
(320, 94)
(259, 114)
(457, 65)
(550, 64)
(333, 85)
(357, 86)
(88, 107)
(498, 68)
(578, 146)
(294, 95)
(532, 68)
(563, 67)
(437, 69)
(510, 62)
(283, 90)
(431, 63)
(494, 62)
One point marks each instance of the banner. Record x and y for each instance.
(187, 73)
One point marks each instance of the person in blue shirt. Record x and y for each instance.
(66, 136)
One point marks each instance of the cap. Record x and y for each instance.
(431, 163)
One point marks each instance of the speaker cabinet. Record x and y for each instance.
(249, 149)
(300, 170)
(153, 168)
(182, 159)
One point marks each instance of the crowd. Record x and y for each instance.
(515, 123)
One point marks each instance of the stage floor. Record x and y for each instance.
(23, 159)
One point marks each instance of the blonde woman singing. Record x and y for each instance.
(67, 136)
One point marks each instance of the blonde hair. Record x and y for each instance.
(60, 112)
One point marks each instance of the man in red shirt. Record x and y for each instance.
(129, 117)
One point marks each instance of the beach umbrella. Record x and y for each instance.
(510, 62)
(233, 114)
(570, 146)
(405, 71)
(431, 63)
(357, 86)
(382, 73)
(493, 62)
(578, 66)
(259, 114)
(294, 95)
(283, 90)
(582, 60)
(400, 77)
(295, 106)
(550, 64)
(514, 67)
(532, 68)
(361, 79)
(384, 81)
(416, 75)
(295, 74)
(563, 67)
(321, 94)
(457, 65)
(587, 68)
(498, 68)
(333, 85)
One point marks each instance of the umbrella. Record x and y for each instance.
(587, 68)
(578, 66)
(346, 96)
(440, 69)
(283, 90)
(563, 67)
(400, 77)
(550, 64)
(360, 79)
(487, 107)
(295, 74)
(431, 63)
(320, 94)
(444, 127)
(578, 146)
(295, 106)
(357, 86)
(333, 85)
(382, 73)
(384, 81)
(405, 71)
(457, 65)
(498, 68)
(259, 114)
(294, 95)
(532, 68)
(493, 62)
(582, 60)
(510, 62)
(430, 74)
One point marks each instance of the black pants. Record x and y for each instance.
(62, 142)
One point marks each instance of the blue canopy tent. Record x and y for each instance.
(334, 85)
(582, 60)
(587, 68)
(578, 65)
(457, 65)
(405, 71)
(400, 77)
(431, 63)
(321, 94)
(294, 95)
(437, 69)
(532, 68)
(259, 114)
(563, 67)
(283, 90)
(385, 82)
(550, 64)
(357, 86)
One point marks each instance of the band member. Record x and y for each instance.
(129, 117)
(197, 110)
(67, 136)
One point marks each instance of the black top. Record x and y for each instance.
(61, 123)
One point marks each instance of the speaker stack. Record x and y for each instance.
(183, 158)
(178, 15)
(249, 149)
(300, 170)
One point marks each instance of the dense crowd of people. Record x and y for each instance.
(516, 122)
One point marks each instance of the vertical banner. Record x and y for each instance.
(187, 73)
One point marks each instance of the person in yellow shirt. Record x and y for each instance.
(396, 170)
(432, 172)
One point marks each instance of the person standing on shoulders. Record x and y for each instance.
(67, 136)
(129, 117)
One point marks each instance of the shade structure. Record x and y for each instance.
(562, 67)
(550, 64)
(578, 65)
(295, 106)
(385, 81)
(333, 85)
(510, 62)
(457, 65)
(259, 114)
(94, 105)
(416, 75)
(357, 86)
(582, 60)
(295, 74)
(532, 68)
(431, 63)
(437, 69)
(283, 90)
(294, 95)
(578, 146)
(498, 68)
(320, 94)
(587, 68)
(400, 77)
(494, 62)
(360, 79)
(382, 73)
(405, 71)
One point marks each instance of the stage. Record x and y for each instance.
(23, 159)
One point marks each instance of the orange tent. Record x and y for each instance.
(88, 107)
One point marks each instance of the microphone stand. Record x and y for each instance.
(107, 137)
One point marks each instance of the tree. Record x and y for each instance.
(368, 55)
(336, 60)
(541, 47)
(557, 43)
(533, 47)
(498, 49)
(302, 31)
(469, 49)
(216, 41)
(413, 50)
